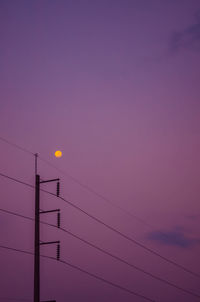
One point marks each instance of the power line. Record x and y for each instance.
(14, 299)
(17, 180)
(86, 187)
(115, 230)
(16, 250)
(89, 189)
(131, 239)
(15, 145)
(83, 271)
(20, 215)
(108, 282)
(107, 253)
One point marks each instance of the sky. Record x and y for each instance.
(114, 85)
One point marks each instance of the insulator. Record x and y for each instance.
(58, 189)
(58, 219)
(58, 251)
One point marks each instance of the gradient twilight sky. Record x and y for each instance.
(114, 84)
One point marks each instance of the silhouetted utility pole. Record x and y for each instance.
(37, 234)
(37, 241)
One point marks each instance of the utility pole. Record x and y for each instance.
(37, 241)
(37, 231)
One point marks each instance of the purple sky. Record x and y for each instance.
(114, 84)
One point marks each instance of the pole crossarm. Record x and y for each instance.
(49, 211)
(50, 180)
(50, 242)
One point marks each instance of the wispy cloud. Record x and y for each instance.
(173, 238)
(188, 38)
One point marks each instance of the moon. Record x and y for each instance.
(58, 153)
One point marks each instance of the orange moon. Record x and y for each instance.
(58, 153)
